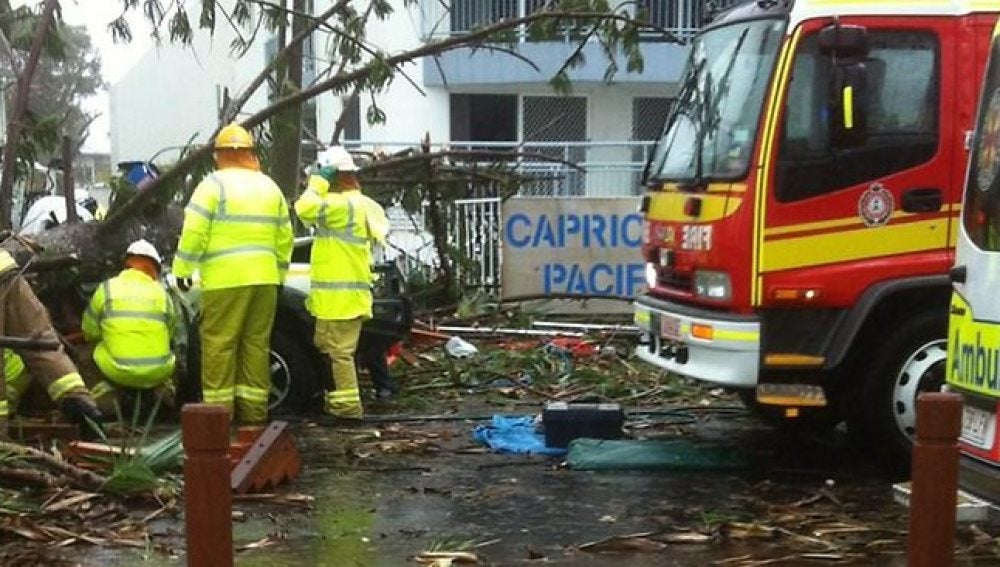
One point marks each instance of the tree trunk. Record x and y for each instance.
(69, 190)
(286, 126)
(16, 118)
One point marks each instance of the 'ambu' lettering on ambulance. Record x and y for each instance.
(975, 364)
(697, 237)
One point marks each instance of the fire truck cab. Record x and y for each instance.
(802, 207)
(973, 364)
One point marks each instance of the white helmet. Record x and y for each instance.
(142, 247)
(337, 157)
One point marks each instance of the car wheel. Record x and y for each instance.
(910, 361)
(294, 382)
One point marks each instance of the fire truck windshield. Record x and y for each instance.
(711, 131)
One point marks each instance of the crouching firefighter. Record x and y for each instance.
(23, 315)
(131, 319)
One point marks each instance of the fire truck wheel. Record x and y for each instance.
(293, 377)
(911, 361)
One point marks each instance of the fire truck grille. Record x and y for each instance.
(672, 280)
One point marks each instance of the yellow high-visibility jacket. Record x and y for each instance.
(340, 264)
(237, 231)
(132, 318)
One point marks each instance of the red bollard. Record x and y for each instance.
(935, 480)
(208, 500)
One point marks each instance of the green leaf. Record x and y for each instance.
(207, 19)
(180, 27)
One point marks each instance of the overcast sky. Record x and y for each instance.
(116, 59)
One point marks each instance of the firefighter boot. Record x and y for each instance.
(82, 411)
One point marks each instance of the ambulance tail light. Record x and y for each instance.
(712, 285)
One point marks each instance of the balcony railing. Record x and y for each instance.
(584, 169)
(442, 18)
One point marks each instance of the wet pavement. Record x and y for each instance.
(423, 486)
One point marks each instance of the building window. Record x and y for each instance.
(351, 108)
(649, 114)
(556, 119)
(483, 118)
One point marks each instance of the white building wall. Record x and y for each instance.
(409, 114)
(174, 92)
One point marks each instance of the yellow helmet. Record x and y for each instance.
(233, 137)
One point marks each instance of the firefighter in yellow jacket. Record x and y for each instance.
(340, 295)
(23, 315)
(238, 235)
(131, 319)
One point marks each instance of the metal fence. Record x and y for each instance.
(559, 169)
(681, 18)
(474, 232)
(607, 169)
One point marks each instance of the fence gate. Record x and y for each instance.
(474, 233)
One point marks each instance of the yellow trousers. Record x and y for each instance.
(338, 340)
(235, 342)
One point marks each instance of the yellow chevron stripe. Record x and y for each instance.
(764, 164)
(670, 207)
(858, 244)
(714, 187)
(833, 223)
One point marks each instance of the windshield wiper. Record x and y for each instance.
(712, 116)
(678, 108)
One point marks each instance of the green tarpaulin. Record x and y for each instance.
(650, 454)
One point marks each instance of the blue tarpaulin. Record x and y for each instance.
(514, 434)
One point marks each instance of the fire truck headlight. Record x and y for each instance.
(713, 285)
(651, 275)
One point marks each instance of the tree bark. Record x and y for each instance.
(15, 122)
(286, 126)
(68, 186)
(80, 478)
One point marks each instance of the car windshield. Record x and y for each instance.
(711, 131)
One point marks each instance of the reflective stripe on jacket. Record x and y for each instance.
(13, 366)
(7, 261)
(340, 263)
(132, 317)
(237, 231)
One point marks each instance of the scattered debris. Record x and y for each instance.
(638, 542)
(447, 558)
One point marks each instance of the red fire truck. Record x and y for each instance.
(803, 204)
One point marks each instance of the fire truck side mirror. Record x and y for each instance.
(843, 41)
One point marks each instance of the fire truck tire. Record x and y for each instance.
(811, 420)
(910, 361)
